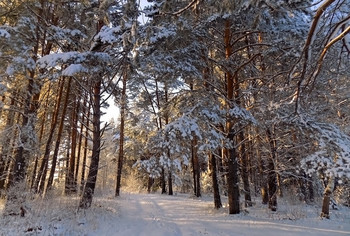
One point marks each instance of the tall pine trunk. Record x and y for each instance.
(44, 163)
(231, 159)
(59, 136)
(41, 134)
(121, 140)
(272, 178)
(71, 185)
(195, 168)
(244, 170)
(213, 170)
(162, 174)
(89, 188)
(80, 140)
(86, 139)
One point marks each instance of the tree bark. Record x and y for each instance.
(121, 140)
(195, 168)
(80, 140)
(263, 181)
(59, 136)
(44, 163)
(89, 188)
(71, 185)
(232, 160)
(244, 167)
(41, 134)
(27, 130)
(272, 178)
(162, 176)
(216, 192)
(327, 198)
(162, 181)
(82, 180)
(170, 183)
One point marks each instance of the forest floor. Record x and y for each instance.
(161, 215)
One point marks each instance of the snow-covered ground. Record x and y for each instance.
(155, 214)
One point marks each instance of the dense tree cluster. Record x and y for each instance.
(231, 97)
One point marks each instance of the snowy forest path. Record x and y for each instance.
(162, 215)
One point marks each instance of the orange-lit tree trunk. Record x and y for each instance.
(44, 163)
(231, 158)
(86, 139)
(80, 139)
(71, 186)
(59, 136)
(41, 134)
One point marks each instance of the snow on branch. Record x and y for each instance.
(333, 154)
(4, 34)
(74, 69)
(163, 33)
(242, 114)
(58, 33)
(73, 60)
(185, 127)
(108, 35)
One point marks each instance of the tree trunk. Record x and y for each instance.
(22, 154)
(272, 178)
(44, 164)
(80, 140)
(41, 134)
(263, 181)
(121, 140)
(310, 187)
(216, 192)
(327, 198)
(59, 136)
(71, 185)
(170, 183)
(150, 184)
(89, 188)
(232, 178)
(245, 173)
(5, 146)
(162, 180)
(195, 168)
(82, 180)
(162, 175)
(232, 160)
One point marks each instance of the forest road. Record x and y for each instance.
(181, 215)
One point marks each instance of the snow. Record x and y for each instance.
(74, 69)
(4, 33)
(159, 215)
(108, 35)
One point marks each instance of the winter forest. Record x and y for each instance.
(240, 105)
